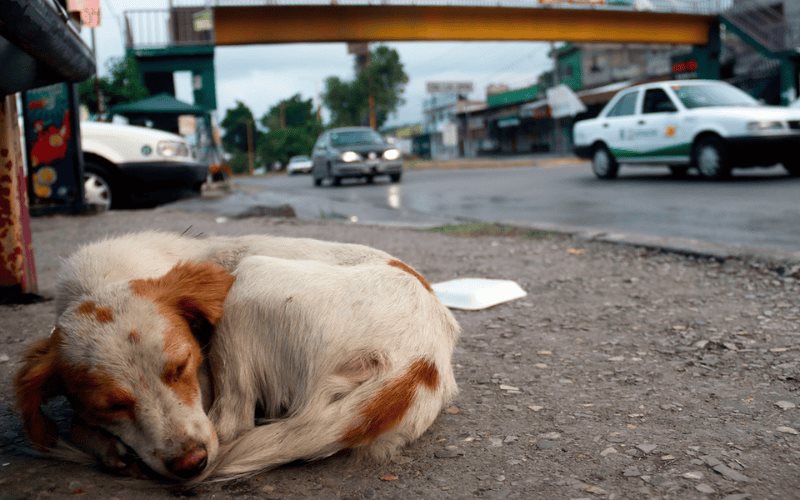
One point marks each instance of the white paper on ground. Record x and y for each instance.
(476, 293)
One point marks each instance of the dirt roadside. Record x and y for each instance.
(625, 373)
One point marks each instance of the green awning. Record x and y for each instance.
(161, 104)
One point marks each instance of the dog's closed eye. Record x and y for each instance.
(174, 371)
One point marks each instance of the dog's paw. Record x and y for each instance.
(110, 452)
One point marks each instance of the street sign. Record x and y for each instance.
(563, 102)
(449, 87)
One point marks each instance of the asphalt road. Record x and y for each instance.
(756, 208)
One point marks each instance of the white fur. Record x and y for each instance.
(311, 332)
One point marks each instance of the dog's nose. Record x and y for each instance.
(190, 463)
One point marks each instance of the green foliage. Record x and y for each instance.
(239, 162)
(122, 84)
(384, 78)
(292, 130)
(234, 128)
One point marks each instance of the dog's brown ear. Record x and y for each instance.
(35, 383)
(193, 288)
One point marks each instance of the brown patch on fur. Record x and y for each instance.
(413, 272)
(35, 383)
(134, 337)
(387, 409)
(101, 314)
(187, 292)
(86, 308)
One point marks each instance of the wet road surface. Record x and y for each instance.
(756, 208)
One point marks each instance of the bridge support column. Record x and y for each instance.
(708, 65)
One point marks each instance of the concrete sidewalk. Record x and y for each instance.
(625, 373)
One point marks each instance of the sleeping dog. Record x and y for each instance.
(174, 347)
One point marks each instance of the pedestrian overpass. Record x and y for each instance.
(464, 20)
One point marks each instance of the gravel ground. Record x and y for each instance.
(625, 373)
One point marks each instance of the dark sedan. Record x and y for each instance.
(358, 152)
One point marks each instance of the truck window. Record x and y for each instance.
(625, 106)
(657, 101)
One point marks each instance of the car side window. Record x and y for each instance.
(657, 101)
(625, 106)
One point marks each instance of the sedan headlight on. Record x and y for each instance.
(172, 149)
(391, 154)
(764, 126)
(350, 156)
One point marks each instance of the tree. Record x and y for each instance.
(384, 78)
(122, 84)
(234, 136)
(292, 128)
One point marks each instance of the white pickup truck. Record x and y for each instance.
(709, 125)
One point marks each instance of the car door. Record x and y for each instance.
(658, 124)
(319, 156)
(618, 124)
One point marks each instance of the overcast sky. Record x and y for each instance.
(262, 75)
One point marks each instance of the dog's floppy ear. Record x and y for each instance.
(35, 383)
(196, 289)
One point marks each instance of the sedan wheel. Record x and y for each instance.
(710, 159)
(96, 190)
(604, 165)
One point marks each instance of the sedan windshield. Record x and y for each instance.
(354, 137)
(299, 158)
(712, 95)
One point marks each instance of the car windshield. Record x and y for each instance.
(354, 137)
(711, 95)
(299, 158)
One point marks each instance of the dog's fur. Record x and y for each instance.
(175, 345)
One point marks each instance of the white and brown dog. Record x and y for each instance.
(175, 346)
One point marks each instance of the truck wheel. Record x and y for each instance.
(395, 178)
(710, 158)
(604, 165)
(317, 182)
(793, 167)
(99, 187)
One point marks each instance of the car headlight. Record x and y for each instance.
(762, 126)
(350, 156)
(391, 154)
(172, 149)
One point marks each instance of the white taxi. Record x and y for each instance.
(709, 125)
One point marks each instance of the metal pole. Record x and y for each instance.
(556, 123)
(250, 155)
(101, 107)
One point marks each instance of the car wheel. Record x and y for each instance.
(679, 171)
(604, 165)
(710, 158)
(97, 187)
(793, 167)
(370, 179)
(395, 178)
(337, 181)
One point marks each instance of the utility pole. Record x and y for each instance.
(250, 152)
(101, 106)
(556, 122)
